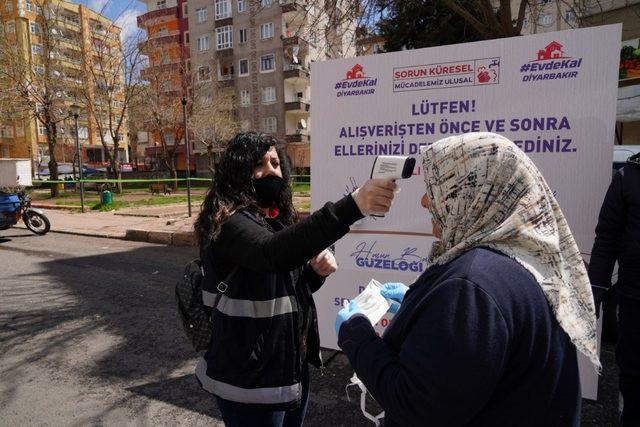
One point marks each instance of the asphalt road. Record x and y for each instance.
(89, 336)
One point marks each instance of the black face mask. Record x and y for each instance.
(268, 190)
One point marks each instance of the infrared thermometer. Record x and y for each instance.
(393, 168)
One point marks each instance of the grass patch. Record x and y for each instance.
(301, 187)
(117, 204)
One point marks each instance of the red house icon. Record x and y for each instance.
(552, 51)
(357, 72)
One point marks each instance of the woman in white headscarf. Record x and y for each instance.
(488, 334)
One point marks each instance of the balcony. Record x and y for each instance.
(299, 105)
(224, 20)
(295, 40)
(226, 52)
(226, 80)
(160, 39)
(289, 6)
(298, 135)
(161, 70)
(156, 16)
(295, 71)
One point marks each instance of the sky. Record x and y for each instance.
(124, 12)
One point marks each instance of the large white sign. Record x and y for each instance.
(553, 94)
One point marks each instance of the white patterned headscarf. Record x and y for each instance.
(484, 191)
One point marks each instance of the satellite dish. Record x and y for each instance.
(302, 124)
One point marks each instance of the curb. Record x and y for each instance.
(170, 238)
(56, 207)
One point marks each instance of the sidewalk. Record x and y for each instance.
(175, 229)
(166, 224)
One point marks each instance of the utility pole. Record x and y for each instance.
(187, 152)
(75, 112)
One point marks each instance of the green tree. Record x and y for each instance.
(424, 23)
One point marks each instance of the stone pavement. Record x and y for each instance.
(141, 224)
(165, 224)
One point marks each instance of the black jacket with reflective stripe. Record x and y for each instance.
(618, 233)
(258, 339)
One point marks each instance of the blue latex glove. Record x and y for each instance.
(345, 313)
(394, 292)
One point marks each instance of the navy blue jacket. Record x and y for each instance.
(474, 343)
(618, 233)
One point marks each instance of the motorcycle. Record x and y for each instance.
(14, 206)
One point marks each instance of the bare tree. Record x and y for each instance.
(113, 83)
(40, 84)
(165, 86)
(331, 25)
(212, 122)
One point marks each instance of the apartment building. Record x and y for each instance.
(554, 15)
(368, 43)
(262, 50)
(77, 34)
(166, 25)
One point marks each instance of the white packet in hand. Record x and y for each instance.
(372, 303)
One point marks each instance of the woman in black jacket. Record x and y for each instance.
(261, 268)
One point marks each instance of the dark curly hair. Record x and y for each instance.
(232, 188)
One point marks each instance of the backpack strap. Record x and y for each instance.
(223, 285)
(213, 292)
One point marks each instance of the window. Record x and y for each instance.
(5, 152)
(161, 4)
(29, 6)
(242, 6)
(185, 10)
(244, 67)
(243, 35)
(525, 23)
(545, 19)
(201, 14)
(19, 129)
(224, 37)
(245, 98)
(203, 43)
(204, 74)
(269, 125)
(94, 155)
(83, 132)
(7, 132)
(268, 94)
(186, 37)
(222, 9)
(569, 16)
(266, 30)
(244, 125)
(8, 6)
(36, 49)
(267, 63)
(265, 3)
(34, 27)
(42, 130)
(11, 27)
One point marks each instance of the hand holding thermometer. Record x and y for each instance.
(393, 168)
